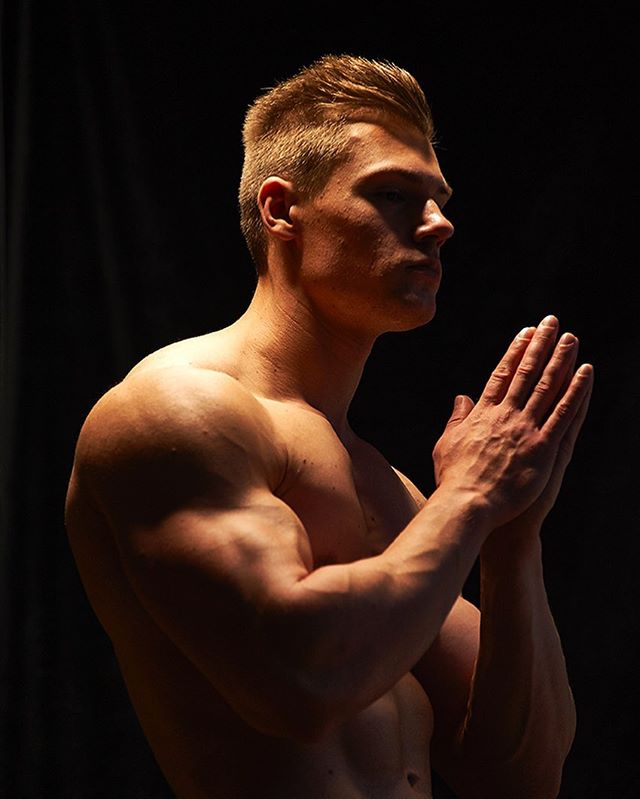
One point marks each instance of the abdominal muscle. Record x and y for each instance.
(207, 752)
(386, 746)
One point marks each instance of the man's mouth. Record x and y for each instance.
(429, 266)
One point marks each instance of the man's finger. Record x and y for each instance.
(533, 362)
(572, 406)
(555, 379)
(502, 375)
(568, 442)
(462, 407)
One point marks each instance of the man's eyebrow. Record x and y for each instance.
(444, 190)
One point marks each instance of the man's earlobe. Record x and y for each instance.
(275, 200)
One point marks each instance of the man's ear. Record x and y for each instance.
(275, 199)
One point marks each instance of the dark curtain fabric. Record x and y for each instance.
(121, 154)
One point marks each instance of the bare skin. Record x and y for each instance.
(284, 605)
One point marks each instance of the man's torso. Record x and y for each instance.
(352, 504)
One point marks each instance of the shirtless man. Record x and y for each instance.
(285, 606)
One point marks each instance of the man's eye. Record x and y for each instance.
(393, 195)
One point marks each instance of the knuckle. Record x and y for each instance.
(562, 409)
(513, 425)
(502, 372)
(521, 432)
(525, 371)
(543, 386)
(505, 416)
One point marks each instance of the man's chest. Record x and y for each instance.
(350, 500)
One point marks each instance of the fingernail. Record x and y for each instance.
(525, 332)
(568, 339)
(549, 321)
(585, 369)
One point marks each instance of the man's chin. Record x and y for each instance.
(418, 316)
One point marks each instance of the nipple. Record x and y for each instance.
(413, 778)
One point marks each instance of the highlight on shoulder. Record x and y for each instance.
(176, 430)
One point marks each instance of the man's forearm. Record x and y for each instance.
(359, 627)
(521, 717)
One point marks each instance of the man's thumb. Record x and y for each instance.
(462, 407)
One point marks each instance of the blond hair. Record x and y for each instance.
(297, 129)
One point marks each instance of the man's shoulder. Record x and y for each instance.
(174, 417)
(161, 400)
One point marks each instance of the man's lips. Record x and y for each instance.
(429, 266)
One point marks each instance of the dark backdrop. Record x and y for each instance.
(121, 149)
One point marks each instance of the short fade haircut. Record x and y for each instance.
(297, 129)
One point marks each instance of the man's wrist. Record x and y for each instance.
(469, 506)
(510, 546)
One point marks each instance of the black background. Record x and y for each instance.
(122, 152)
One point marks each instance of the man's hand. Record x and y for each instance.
(530, 521)
(513, 446)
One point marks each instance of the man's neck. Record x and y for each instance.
(290, 352)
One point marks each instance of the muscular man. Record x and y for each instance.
(285, 606)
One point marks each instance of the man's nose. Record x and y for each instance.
(434, 224)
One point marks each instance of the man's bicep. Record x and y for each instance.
(207, 575)
(215, 583)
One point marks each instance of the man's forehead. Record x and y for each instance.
(383, 128)
(380, 146)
